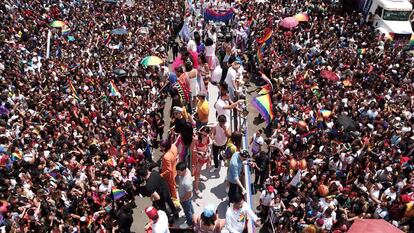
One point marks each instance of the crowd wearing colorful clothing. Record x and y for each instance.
(83, 92)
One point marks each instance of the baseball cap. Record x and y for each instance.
(177, 109)
(209, 210)
(151, 212)
(270, 189)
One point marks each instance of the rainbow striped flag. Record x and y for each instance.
(117, 193)
(123, 138)
(314, 87)
(90, 223)
(113, 89)
(267, 37)
(17, 155)
(111, 162)
(74, 92)
(65, 29)
(362, 51)
(260, 53)
(265, 90)
(264, 105)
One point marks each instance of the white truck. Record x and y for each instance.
(390, 17)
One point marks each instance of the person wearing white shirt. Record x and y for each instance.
(158, 220)
(391, 194)
(256, 142)
(236, 215)
(106, 186)
(266, 197)
(233, 74)
(223, 105)
(220, 134)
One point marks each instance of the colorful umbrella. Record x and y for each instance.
(151, 61)
(57, 24)
(301, 17)
(326, 113)
(289, 22)
(119, 31)
(331, 76)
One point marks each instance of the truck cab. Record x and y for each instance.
(391, 18)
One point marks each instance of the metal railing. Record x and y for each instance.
(243, 127)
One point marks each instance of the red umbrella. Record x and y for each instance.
(289, 22)
(373, 226)
(331, 76)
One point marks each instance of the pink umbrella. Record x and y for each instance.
(373, 226)
(330, 75)
(289, 22)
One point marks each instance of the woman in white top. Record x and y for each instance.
(193, 80)
(210, 51)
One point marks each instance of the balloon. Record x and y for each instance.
(323, 190)
(303, 164)
(310, 229)
(302, 124)
(293, 163)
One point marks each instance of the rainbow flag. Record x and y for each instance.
(123, 138)
(326, 113)
(362, 51)
(267, 37)
(90, 223)
(117, 193)
(65, 29)
(18, 155)
(107, 40)
(412, 39)
(74, 92)
(264, 105)
(265, 90)
(266, 79)
(111, 162)
(314, 87)
(260, 52)
(113, 89)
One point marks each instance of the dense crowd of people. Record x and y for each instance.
(79, 121)
(340, 148)
(64, 151)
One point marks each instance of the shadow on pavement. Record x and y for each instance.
(220, 191)
(221, 209)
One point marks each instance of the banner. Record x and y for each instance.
(211, 15)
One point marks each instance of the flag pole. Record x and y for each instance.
(49, 35)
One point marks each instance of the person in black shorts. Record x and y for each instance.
(157, 189)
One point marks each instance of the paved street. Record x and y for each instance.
(213, 190)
